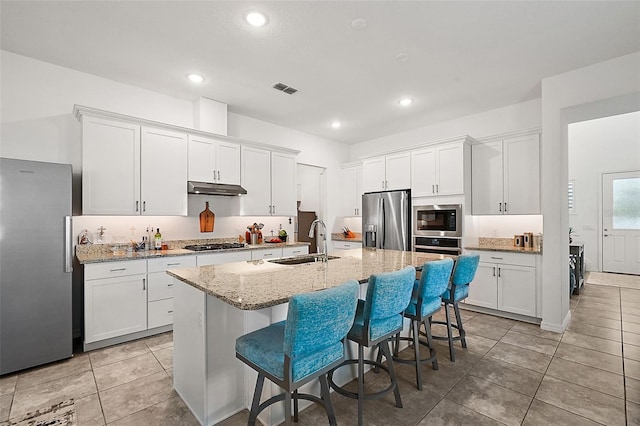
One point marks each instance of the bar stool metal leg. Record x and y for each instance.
(456, 309)
(452, 354)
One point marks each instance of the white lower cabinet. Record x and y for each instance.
(226, 257)
(160, 293)
(506, 282)
(115, 299)
(295, 251)
(269, 253)
(346, 245)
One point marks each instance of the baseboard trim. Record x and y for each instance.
(126, 338)
(558, 328)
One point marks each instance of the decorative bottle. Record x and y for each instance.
(158, 240)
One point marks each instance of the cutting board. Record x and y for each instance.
(207, 219)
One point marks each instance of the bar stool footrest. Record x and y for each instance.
(354, 395)
(432, 353)
(435, 337)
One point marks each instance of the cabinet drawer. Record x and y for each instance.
(160, 286)
(114, 269)
(160, 313)
(295, 251)
(161, 265)
(346, 245)
(220, 258)
(507, 258)
(266, 253)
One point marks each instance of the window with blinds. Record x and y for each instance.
(571, 197)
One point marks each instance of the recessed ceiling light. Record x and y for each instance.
(195, 78)
(336, 124)
(256, 19)
(359, 24)
(405, 101)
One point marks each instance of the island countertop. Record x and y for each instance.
(259, 284)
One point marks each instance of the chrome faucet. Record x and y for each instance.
(324, 236)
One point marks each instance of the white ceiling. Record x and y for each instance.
(463, 57)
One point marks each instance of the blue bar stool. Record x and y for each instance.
(425, 301)
(463, 273)
(306, 346)
(378, 318)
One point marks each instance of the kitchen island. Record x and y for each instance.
(214, 305)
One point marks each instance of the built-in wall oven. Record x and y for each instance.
(437, 229)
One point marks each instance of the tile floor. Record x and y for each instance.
(511, 373)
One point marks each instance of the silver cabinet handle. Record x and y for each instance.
(169, 285)
(505, 207)
(500, 206)
(496, 257)
(269, 209)
(382, 184)
(173, 264)
(144, 206)
(144, 283)
(296, 251)
(116, 270)
(494, 271)
(169, 312)
(214, 175)
(137, 206)
(437, 188)
(386, 184)
(274, 209)
(433, 189)
(268, 254)
(499, 275)
(218, 174)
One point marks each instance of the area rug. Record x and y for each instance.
(61, 414)
(613, 280)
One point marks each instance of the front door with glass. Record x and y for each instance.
(621, 222)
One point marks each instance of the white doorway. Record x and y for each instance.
(621, 222)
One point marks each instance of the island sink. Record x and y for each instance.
(302, 259)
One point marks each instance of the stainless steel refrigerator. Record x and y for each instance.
(35, 264)
(386, 220)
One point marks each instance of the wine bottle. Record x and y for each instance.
(158, 240)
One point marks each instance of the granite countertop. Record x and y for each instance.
(339, 236)
(259, 284)
(98, 253)
(500, 244)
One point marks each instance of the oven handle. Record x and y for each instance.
(452, 249)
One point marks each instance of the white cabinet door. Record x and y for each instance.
(202, 167)
(450, 169)
(483, 290)
(160, 313)
(351, 189)
(163, 172)
(522, 175)
(228, 163)
(220, 258)
(256, 179)
(398, 171)
(110, 167)
(346, 245)
(423, 172)
(517, 289)
(486, 178)
(215, 161)
(283, 184)
(114, 307)
(373, 174)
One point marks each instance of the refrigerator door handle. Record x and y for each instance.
(384, 220)
(68, 245)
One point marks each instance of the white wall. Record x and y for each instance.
(562, 99)
(37, 124)
(605, 145)
(512, 118)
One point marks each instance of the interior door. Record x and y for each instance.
(621, 222)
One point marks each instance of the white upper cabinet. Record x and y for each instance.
(211, 160)
(506, 176)
(283, 184)
(163, 172)
(110, 167)
(351, 188)
(391, 172)
(129, 170)
(438, 170)
(270, 181)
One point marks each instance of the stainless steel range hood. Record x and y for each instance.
(207, 188)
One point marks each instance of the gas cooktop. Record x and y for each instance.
(212, 247)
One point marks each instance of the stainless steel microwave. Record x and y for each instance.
(440, 220)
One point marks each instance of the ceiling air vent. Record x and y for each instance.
(284, 88)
